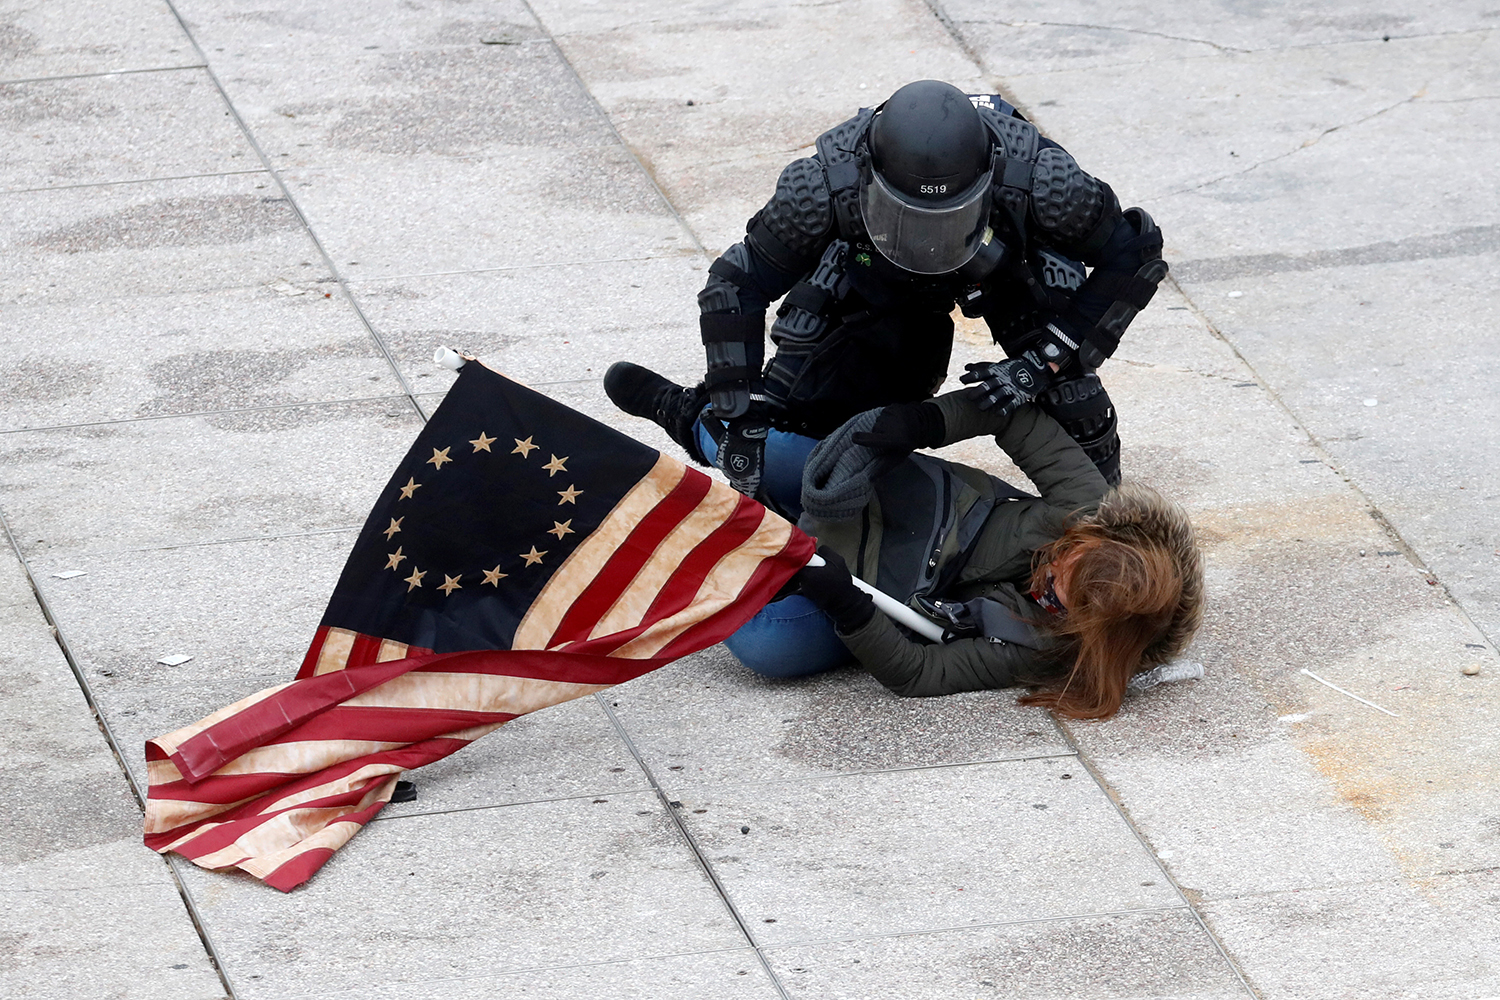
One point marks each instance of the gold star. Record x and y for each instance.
(411, 487)
(560, 528)
(533, 556)
(394, 559)
(395, 527)
(449, 585)
(482, 443)
(494, 576)
(439, 457)
(415, 580)
(555, 466)
(569, 495)
(524, 448)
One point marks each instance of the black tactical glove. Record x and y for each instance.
(742, 453)
(904, 427)
(1006, 385)
(831, 587)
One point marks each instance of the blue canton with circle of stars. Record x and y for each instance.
(499, 488)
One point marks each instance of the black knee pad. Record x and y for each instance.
(1084, 409)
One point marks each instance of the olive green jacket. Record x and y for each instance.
(994, 564)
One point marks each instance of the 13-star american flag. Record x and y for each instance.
(522, 555)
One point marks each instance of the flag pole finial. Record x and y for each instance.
(449, 358)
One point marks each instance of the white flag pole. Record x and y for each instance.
(894, 608)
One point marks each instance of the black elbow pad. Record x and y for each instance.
(736, 348)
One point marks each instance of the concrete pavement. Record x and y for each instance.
(234, 231)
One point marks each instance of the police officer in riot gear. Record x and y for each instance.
(932, 199)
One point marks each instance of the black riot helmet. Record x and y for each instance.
(925, 188)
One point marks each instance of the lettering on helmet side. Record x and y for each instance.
(934, 189)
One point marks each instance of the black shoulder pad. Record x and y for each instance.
(836, 150)
(838, 144)
(1066, 202)
(1015, 136)
(798, 217)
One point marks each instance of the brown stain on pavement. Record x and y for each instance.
(1290, 590)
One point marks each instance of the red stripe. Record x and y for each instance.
(225, 789)
(364, 650)
(535, 664)
(380, 725)
(266, 720)
(206, 752)
(301, 868)
(626, 561)
(305, 865)
(235, 822)
(683, 585)
(224, 835)
(385, 724)
(274, 788)
(756, 593)
(310, 661)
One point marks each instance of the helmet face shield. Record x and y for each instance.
(932, 238)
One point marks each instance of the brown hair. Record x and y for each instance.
(1134, 598)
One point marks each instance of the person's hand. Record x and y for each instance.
(831, 587)
(1003, 386)
(904, 427)
(742, 453)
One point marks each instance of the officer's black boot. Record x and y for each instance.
(641, 392)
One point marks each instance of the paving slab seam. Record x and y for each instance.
(167, 547)
(174, 863)
(687, 837)
(1368, 504)
(530, 971)
(207, 413)
(684, 252)
(286, 192)
(383, 817)
(132, 180)
(1405, 881)
(641, 166)
(944, 765)
(1124, 814)
(62, 643)
(989, 925)
(111, 72)
(114, 745)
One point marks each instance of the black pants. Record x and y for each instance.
(865, 360)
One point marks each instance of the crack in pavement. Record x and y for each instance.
(1120, 29)
(1223, 47)
(1306, 144)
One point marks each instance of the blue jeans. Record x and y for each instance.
(789, 638)
(786, 454)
